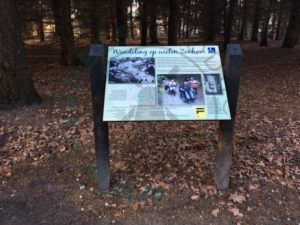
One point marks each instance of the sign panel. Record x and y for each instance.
(165, 83)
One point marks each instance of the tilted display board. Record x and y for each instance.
(165, 83)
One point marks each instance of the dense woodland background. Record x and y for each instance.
(71, 22)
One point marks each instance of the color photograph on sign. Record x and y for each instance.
(165, 83)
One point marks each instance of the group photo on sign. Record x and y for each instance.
(180, 89)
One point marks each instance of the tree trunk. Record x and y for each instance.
(173, 22)
(188, 20)
(121, 21)
(179, 27)
(131, 22)
(293, 30)
(63, 24)
(144, 22)
(256, 21)
(264, 32)
(244, 21)
(153, 25)
(228, 25)
(16, 85)
(210, 20)
(279, 21)
(41, 29)
(94, 21)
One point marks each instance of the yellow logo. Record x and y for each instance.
(201, 112)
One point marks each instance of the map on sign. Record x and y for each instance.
(165, 83)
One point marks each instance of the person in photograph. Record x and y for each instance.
(187, 93)
(172, 87)
(194, 84)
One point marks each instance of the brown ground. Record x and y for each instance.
(162, 172)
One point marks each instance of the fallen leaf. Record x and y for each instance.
(195, 197)
(237, 198)
(236, 212)
(215, 212)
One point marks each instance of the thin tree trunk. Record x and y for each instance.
(62, 14)
(273, 31)
(131, 21)
(279, 21)
(94, 21)
(211, 20)
(179, 27)
(41, 29)
(188, 20)
(228, 26)
(16, 85)
(244, 21)
(121, 21)
(153, 25)
(183, 27)
(264, 32)
(173, 22)
(144, 22)
(255, 24)
(293, 29)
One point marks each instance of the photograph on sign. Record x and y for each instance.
(165, 83)
(131, 70)
(180, 89)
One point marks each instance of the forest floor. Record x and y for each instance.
(162, 171)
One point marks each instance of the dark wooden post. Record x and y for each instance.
(97, 66)
(233, 67)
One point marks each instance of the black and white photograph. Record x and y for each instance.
(132, 70)
(180, 89)
(212, 83)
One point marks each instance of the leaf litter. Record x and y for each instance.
(152, 162)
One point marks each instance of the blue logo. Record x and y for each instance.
(211, 50)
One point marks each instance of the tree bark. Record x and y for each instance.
(41, 29)
(264, 32)
(279, 21)
(63, 24)
(144, 22)
(210, 20)
(229, 20)
(153, 25)
(188, 20)
(16, 85)
(94, 21)
(131, 21)
(173, 22)
(293, 29)
(256, 21)
(121, 21)
(244, 21)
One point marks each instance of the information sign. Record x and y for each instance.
(165, 83)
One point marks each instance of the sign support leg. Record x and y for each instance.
(233, 68)
(97, 66)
